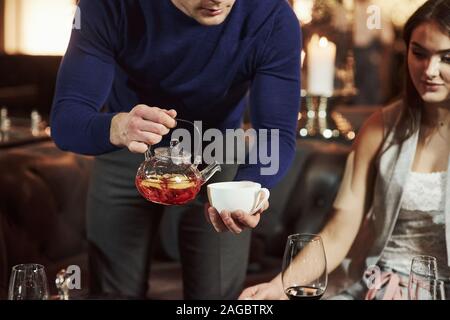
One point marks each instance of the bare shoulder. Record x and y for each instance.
(371, 135)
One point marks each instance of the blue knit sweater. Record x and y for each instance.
(130, 52)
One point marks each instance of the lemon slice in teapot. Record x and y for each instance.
(151, 183)
(173, 182)
(179, 182)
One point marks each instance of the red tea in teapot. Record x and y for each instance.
(167, 176)
(169, 189)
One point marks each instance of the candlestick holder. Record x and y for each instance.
(319, 121)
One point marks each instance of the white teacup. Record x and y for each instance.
(237, 195)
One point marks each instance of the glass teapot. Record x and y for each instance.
(168, 177)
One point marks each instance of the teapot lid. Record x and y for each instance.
(174, 153)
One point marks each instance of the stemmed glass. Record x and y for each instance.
(304, 271)
(423, 283)
(28, 282)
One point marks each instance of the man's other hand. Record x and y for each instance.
(234, 222)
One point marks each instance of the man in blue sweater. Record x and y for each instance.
(129, 71)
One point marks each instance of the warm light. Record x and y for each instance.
(303, 10)
(351, 135)
(399, 11)
(38, 27)
(303, 57)
(303, 132)
(321, 60)
(348, 4)
(323, 42)
(327, 133)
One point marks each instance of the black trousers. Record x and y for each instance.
(121, 230)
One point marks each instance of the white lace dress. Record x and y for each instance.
(420, 227)
(419, 230)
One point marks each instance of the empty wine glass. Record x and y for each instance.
(28, 282)
(422, 274)
(304, 272)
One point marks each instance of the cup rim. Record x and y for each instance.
(309, 237)
(35, 267)
(247, 184)
(423, 258)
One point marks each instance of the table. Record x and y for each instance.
(21, 134)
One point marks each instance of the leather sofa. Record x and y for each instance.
(42, 207)
(302, 201)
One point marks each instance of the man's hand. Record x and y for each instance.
(141, 127)
(235, 221)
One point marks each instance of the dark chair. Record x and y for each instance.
(42, 210)
(28, 82)
(301, 203)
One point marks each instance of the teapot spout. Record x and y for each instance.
(209, 171)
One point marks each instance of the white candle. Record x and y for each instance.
(349, 4)
(321, 66)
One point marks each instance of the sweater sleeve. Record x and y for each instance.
(84, 81)
(275, 103)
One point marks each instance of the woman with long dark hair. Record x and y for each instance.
(397, 174)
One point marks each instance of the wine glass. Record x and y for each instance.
(28, 282)
(421, 277)
(304, 272)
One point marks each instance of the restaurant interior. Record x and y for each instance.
(348, 72)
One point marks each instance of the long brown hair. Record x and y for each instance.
(437, 11)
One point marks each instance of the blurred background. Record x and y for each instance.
(353, 46)
(34, 35)
(368, 36)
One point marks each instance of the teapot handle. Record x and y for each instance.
(196, 152)
(149, 153)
